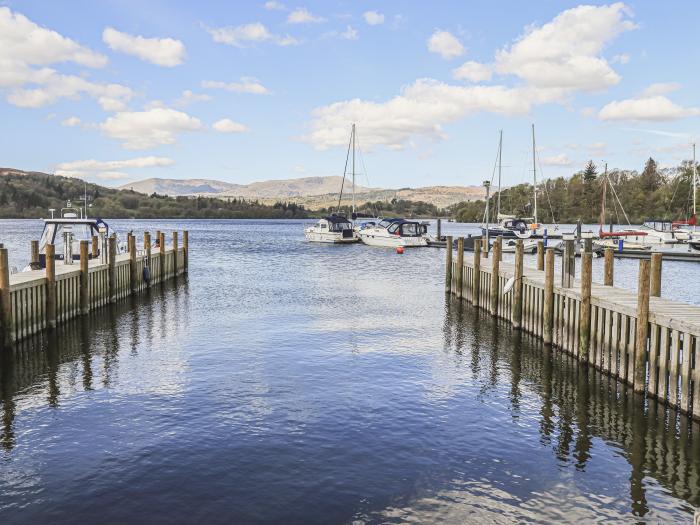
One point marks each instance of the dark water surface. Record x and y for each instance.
(286, 382)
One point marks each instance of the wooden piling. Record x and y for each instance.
(6, 323)
(174, 253)
(495, 264)
(35, 255)
(95, 246)
(161, 247)
(439, 229)
(459, 278)
(84, 290)
(448, 262)
(111, 268)
(476, 277)
(540, 256)
(186, 250)
(609, 266)
(584, 322)
(147, 248)
(133, 270)
(548, 310)
(656, 262)
(517, 304)
(640, 346)
(567, 265)
(50, 254)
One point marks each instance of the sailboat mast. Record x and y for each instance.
(695, 184)
(534, 171)
(353, 170)
(603, 198)
(500, 153)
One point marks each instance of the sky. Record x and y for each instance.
(115, 91)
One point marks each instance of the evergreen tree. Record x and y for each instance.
(590, 172)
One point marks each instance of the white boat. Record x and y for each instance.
(394, 233)
(334, 229)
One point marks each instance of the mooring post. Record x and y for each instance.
(111, 267)
(174, 253)
(439, 229)
(133, 273)
(609, 266)
(5, 301)
(448, 264)
(640, 346)
(84, 287)
(584, 319)
(517, 307)
(495, 264)
(656, 262)
(95, 246)
(567, 264)
(186, 250)
(476, 278)
(540, 256)
(161, 246)
(35, 256)
(459, 278)
(147, 247)
(548, 309)
(50, 286)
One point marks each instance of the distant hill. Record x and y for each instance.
(311, 192)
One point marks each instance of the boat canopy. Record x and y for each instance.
(81, 229)
(406, 228)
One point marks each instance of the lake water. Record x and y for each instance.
(286, 382)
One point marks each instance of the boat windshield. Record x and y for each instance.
(81, 232)
(411, 229)
(339, 226)
(384, 223)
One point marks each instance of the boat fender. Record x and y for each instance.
(146, 274)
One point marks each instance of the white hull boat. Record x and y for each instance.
(334, 229)
(395, 233)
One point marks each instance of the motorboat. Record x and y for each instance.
(395, 233)
(334, 229)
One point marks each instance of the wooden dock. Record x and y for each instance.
(37, 300)
(598, 324)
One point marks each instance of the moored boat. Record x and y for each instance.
(334, 229)
(395, 233)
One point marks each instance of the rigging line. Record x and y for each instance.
(619, 202)
(546, 190)
(364, 169)
(673, 197)
(345, 170)
(493, 174)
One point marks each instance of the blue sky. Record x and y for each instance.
(121, 90)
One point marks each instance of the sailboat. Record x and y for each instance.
(336, 228)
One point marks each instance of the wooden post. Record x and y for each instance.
(476, 283)
(147, 247)
(5, 301)
(548, 310)
(640, 346)
(567, 264)
(111, 268)
(584, 319)
(655, 290)
(133, 273)
(517, 308)
(174, 254)
(35, 256)
(609, 266)
(495, 263)
(50, 286)
(439, 229)
(161, 243)
(459, 281)
(84, 289)
(95, 246)
(540, 256)
(186, 250)
(448, 264)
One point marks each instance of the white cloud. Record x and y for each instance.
(245, 85)
(229, 126)
(274, 6)
(472, 71)
(301, 15)
(111, 165)
(189, 97)
(622, 58)
(646, 108)
(373, 18)
(660, 88)
(166, 52)
(349, 33)
(150, 128)
(248, 34)
(71, 122)
(557, 160)
(445, 44)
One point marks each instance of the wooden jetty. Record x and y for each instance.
(639, 338)
(36, 300)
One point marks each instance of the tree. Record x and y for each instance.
(650, 178)
(590, 172)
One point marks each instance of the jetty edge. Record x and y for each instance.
(640, 339)
(37, 300)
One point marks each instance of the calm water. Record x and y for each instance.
(285, 382)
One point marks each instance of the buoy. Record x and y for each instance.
(399, 249)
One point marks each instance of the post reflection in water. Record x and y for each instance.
(578, 406)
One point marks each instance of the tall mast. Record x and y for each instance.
(353, 169)
(695, 184)
(534, 171)
(500, 153)
(602, 204)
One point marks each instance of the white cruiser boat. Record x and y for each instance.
(393, 233)
(334, 229)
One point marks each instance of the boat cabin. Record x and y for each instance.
(660, 225)
(405, 228)
(336, 224)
